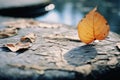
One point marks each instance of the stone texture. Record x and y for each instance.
(58, 54)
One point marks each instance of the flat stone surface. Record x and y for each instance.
(57, 54)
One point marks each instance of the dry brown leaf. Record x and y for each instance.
(31, 37)
(18, 46)
(60, 36)
(8, 32)
(25, 43)
(12, 47)
(30, 23)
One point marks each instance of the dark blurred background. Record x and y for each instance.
(68, 12)
(72, 11)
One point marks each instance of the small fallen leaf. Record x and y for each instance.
(61, 36)
(93, 27)
(31, 37)
(30, 23)
(18, 46)
(8, 32)
(12, 47)
(25, 43)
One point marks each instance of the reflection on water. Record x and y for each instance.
(66, 16)
(70, 12)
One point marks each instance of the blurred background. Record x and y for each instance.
(68, 12)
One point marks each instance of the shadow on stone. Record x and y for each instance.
(8, 50)
(80, 55)
(4, 49)
(21, 51)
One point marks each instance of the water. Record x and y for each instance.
(70, 12)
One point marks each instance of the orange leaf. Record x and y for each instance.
(93, 27)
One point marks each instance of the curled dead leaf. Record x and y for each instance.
(18, 46)
(25, 43)
(31, 37)
(8, 32)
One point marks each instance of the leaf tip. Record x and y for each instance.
(95, 9)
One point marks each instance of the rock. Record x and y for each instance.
(58, 54)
